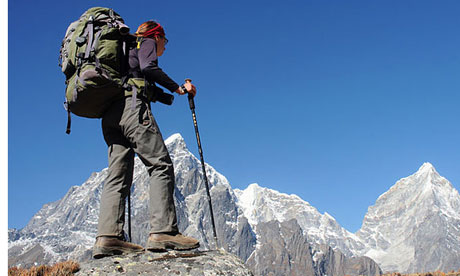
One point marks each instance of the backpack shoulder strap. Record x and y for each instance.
(139, 41)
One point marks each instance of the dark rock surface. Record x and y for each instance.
(284, 250)
(333, 262)
(167, 263)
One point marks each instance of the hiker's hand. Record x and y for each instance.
(179, 91)
(190, 88)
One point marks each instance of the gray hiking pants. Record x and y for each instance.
(128, 131)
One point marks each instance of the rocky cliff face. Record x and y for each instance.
(293, 252)
(296, 255)
(273, 232)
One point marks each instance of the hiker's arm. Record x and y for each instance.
(148, 62)
(157, 75)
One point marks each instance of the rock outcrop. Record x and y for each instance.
(169, 263)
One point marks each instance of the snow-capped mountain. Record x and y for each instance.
(290, 226)
(67, 228)
(416, 221)
(415, 226)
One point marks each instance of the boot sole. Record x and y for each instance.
(164, 246)
(101, 252)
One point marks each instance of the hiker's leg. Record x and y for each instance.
(149, 146)
(116, 188)
(119, 178)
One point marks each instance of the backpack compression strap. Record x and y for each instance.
(66, 106)
(90, 30)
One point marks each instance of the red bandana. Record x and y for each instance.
(157, 31)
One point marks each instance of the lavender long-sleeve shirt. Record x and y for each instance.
(143, 62)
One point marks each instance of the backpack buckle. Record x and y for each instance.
(80, 41)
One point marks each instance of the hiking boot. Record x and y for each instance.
(163, 241)
(109, 246)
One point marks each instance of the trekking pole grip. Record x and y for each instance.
(191, 102)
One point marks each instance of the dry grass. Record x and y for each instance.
(67, 268)
(437, 273)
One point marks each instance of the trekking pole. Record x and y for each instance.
(129, 217)
(200, 150)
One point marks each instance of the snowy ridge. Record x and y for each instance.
(67, 225)
(272, 201)
(263, 205)
(184, 160)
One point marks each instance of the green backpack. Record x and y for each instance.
(93, 57)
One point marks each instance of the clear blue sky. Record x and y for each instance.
(331, 100)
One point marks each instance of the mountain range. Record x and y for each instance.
(414, 226)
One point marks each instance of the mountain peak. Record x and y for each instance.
(254, 188)
(175, 142)
(254, 191)
(426, 168)
(417, 212)
(424, 185)
(422, 181)
(176, 137)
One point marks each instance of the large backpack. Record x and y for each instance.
(93, 57)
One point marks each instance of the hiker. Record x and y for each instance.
(129, 128)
